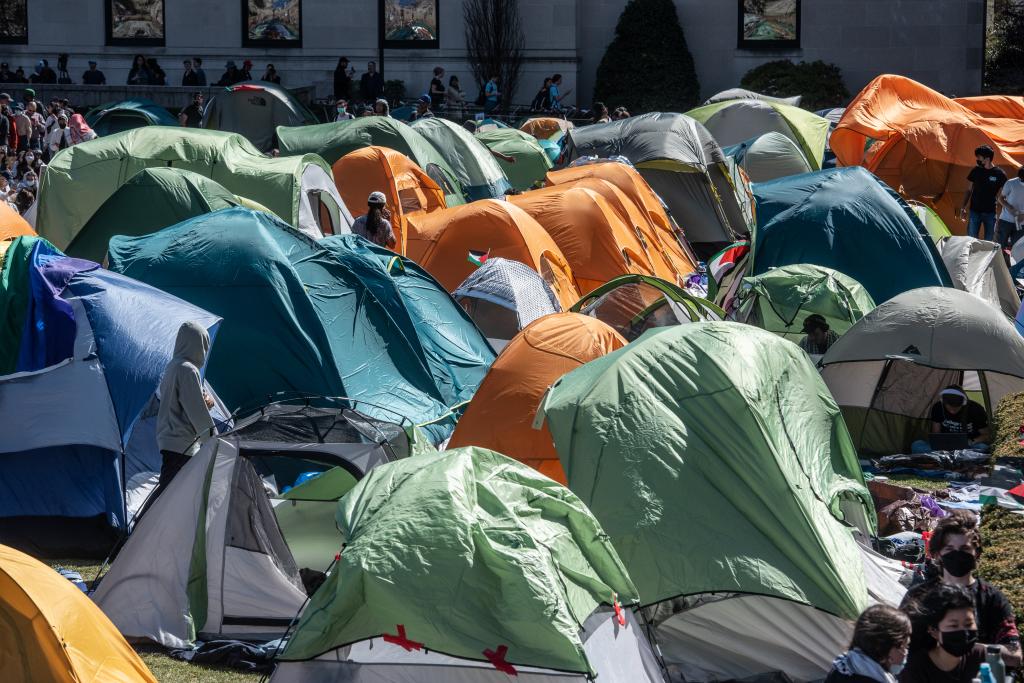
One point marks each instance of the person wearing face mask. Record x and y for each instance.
(878, 651)
(341, 107)
(944, 618)
(953, 556)
(28, 182)
(986, 179)
(60, 136)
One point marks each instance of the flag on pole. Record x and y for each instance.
(477, 258)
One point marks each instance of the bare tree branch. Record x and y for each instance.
(494, 41)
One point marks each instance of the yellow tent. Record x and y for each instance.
(50, 632)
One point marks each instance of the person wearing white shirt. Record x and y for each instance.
(1011, 218)
(60, 136)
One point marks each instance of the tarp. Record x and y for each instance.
(520, 156)
(472, 162)
(255, 109)
(735, 482)
(406, 186)
(733, 121)
(151, 200)
(465, 553)
(742, 94)
(769, 156)
(546, 127)
(54, 633)
(299, 319)
(11, 224)
(500, 416)
(334, 140)
(978, 267)
(847, 220)
(117, 117)
(442, 242)
(922, 143)
(80, 178)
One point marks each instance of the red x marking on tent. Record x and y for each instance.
(401, 641)
(497, 659)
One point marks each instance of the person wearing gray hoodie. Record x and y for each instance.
(183, 419)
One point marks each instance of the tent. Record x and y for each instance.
(500, 417)
(334, 140)
(83, 351)
(468, 566)
(254, 109)
(633, 304)
(781, 299)
(887, 371)
(520, 156)
(845, 219)
(151, 200)
(52, 631)
(922, 143)
(79, 179)
(769, 156)
(733, 121)
(601, 232)
(117, 117)
(681, 161)
(978, 267)
(444, 242)
(218, 554)
(734, 504)
(741, 94)
(473, 164)
(546, 127)
(406, 186)
(502, 297)
(11, 224)
(935, 226)
(300, 319)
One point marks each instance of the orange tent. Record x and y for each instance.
(441, 241)
(500, 416)
(598, 240)
(12, 224)
(922, 143)
(409, 190)
(543, 127)
(658, 229)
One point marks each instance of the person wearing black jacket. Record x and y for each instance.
(343, 74)
(371, 85)
(878, 650)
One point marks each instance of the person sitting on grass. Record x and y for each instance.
(954, 413)
(953, 552)
(878, 651)
(944, 647)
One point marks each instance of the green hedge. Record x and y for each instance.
(820, 84)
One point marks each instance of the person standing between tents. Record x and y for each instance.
(819, 337)
(59, 137)
(1011, 203)
(492, 96)
(183, 420)
(192, 115)
(376, 224)
(371, 84)
(878, 651)
(985, 180)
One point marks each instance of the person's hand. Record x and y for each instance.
(208, 399)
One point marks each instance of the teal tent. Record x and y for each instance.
(117, 117)
(473, 164)
(299, 319)
(720, 466)
(848, 220)
(334, 140)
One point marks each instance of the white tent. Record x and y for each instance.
(978, 267)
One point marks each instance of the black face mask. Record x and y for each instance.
(959, 643)
(981, 163)
(959, 563)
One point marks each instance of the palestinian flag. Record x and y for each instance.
(477, 258)
(727, 259)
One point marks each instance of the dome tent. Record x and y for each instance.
(468, 566)
(729, 527)
(12, 225)
(254, 109)
(117, 117)
(769, 156)
(887, 371)
(742, 94)
(473, 164)
(520, 156)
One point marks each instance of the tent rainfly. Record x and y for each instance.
(978, 267)
(254, 109)
(769, 156)
(117, 117)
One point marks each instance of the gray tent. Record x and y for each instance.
(978, 267)
(769, 156)
(682, 163)
(255, 109)
(741, 94)
(887, 370)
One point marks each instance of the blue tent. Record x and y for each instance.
(303, 318)
(848, 220)
(76, 415)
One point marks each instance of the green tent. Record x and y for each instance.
(79, 179)
(300, 319)
(117, 117)
(780, 300)
(721, 468)
(14, 297)
(520, 156)
(473, 164)
(473, 556)
(255, 109)
(733, 121)
(334, 140)
(152, 199)
(769, 156)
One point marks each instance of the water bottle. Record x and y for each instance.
(985, 673)
(994, 660)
